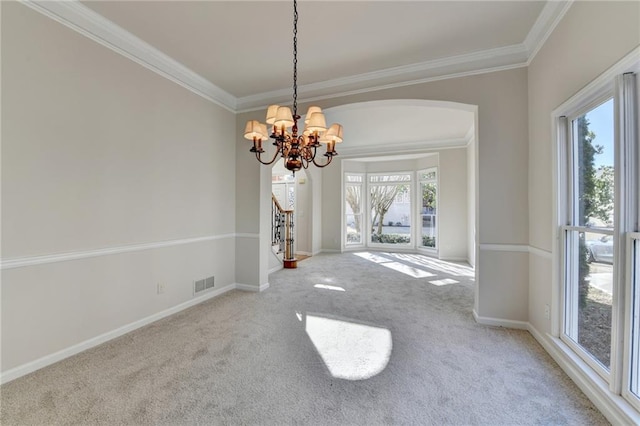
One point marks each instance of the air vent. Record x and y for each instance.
(200, 286)
(208, 283)
(203, 284)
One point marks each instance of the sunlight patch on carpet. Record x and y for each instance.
(450, 268)
(351, 351)
(396, 266)
(408, 270)
(372, 257)
(329, 287)
(445, 281)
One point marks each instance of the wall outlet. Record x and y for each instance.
(161, 288)
(547, 312)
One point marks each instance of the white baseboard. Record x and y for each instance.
(276, 268)
(455, 259)
(612, 406)
(523, 248)
(32, 366)
(499, 322)
(248, 287)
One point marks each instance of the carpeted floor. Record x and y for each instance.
(344, 339)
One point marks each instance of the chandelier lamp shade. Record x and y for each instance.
(298, 150)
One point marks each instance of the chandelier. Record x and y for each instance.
(298, 151)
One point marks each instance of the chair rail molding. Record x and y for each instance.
(21, 262)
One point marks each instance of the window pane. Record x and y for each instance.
(428, 212)
(354, 178)
(635, 326)
(354, 234)
(593, 139)
(353, 212)
(589, 293)
(390, 178)
(430, 175)
(390, 218)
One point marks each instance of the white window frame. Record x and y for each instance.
(363, 210)
(618, 379)
(572, 226)
(418, 209)
(628, 125)
(632, 321)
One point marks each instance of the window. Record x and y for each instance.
(634, 385)
(428, 208)
(353, 209)
(590, 234)
(390, 208)
(599, 211)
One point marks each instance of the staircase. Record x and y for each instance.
(282, 233)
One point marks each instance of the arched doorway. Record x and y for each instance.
(387, 131)
(294, 192)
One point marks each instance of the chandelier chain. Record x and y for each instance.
(295, 58)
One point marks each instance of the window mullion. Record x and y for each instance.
(631, 349)
(626, 119)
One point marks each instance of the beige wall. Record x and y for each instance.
(452, 209)
(99, 152)
(303, 214)
(471, 202)
(590, 38)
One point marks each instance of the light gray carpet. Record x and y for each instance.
(248, 358)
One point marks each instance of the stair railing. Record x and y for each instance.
(282, 220)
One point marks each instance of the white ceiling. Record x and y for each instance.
(245, 47)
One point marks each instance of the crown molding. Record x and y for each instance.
(383, 87)
(85, 21)
(514, 56)
(551, 15)
(80, 18)
(410, 147)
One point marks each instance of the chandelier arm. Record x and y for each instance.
(323, 165)
(305, 153)
(275, 157)
(305, 162)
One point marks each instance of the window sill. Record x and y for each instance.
(616, 409)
